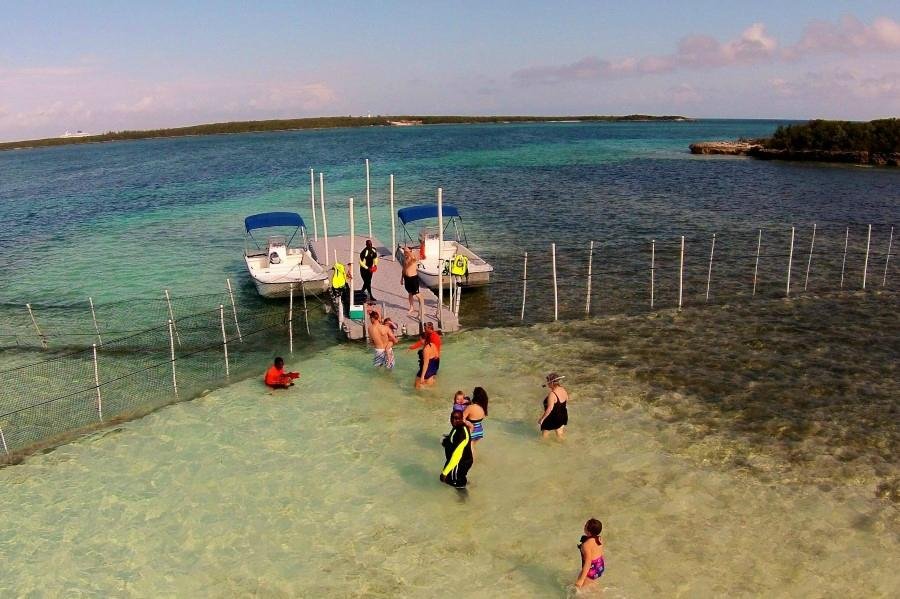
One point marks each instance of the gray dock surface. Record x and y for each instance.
(387, 287)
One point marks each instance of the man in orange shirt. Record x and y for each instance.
(277, 378)
(433, 338)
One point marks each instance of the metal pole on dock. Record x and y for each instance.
(324, 217)
(36, 327)
(787, 292)
(172, 317)
(555, 290)
(587, 305)
(97, 383)
(368, 200)
(844, 261)
(393, 223)
(305, 309)
(291, 320)
(524, 284)
(712, 251)
(652, 269)
(350, 258)
(681, 274)
(94, 317)
(234, 310)
(756, 266)
(812, 244)
(312, 203)
(888, 257)
(224, 337)
(440, 257)
(866, 263)
(172, 355)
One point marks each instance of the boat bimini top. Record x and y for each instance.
(429, 212)
(274, 219)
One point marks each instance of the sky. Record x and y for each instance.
(101, 66)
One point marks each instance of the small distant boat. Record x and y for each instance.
(404, 123)
(277, 265)
(455, 256)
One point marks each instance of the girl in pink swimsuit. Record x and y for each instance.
(592, 565)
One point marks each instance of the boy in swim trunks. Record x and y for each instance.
(383, 340)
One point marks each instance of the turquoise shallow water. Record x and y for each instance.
(745, 448)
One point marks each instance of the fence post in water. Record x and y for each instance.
(888, 257)
(422, 313)
(652, 269)
(866, 264)
(237, 327)
(291, 321)
(97, 383)
(844, 261)
(94, 317)
(172, 317)
(790, 261)
(37, 328)
(312, 203)
(812, 244)
(3, 438)
(524, 284)
(305, 309)
(756, 266)
(324, 217)
(393, 223)
(681, 274)
(440, 257)
(712, 251)
(172, 355)
(555, 290)
(224, 337)
(368, 200)
(587, 305)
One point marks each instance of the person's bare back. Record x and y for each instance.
(380, 335)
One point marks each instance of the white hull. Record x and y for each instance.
(312, 287)
(472, 279)
(479, 271)
(294, 266)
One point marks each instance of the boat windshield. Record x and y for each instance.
(277, 240)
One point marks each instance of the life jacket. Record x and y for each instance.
(339, 278)
(459, 266)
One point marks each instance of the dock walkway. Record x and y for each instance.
(387, 287)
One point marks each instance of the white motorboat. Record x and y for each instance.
(277, 265)
(455, 259)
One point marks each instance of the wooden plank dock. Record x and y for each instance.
(387, 288)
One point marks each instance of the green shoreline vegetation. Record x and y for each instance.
(316, 123)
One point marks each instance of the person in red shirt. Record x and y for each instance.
(277, 378)
(433, 338)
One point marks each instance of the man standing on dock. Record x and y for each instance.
(368, 264)
(410, 277)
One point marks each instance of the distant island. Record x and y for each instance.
(317, 123)
(876, 143)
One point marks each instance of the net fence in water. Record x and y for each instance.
(120, 360)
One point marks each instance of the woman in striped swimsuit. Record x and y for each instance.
(474, 414)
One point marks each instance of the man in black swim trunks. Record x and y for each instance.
(410, 277)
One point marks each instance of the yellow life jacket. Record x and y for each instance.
(460, 265)
(339, 278)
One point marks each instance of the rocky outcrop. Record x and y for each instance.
(755, 148)
(741, 147)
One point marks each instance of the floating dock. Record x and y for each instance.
(387, 287)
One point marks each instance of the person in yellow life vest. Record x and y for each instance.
(340, 279)
(368, 264)
(460, 266)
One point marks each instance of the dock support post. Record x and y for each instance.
(172, 356)
(555, 290)
(787, 292)
(812, 244)
(312, 203)
(237, 327)
(224, 337)
(324, 216)
(587, 305)
(368, 200)
(340, 313)
(524, 285)
(291, 320)
(681, 274)
(36, 327)
(844, 261)
(458, 299)
(97, 383)
(94, 318)
(3, 438)
(652, 270)
(756, 265)
(440, 257)
(422, 313)
(305, 309)
(393, 223)
(712, 251)
(866, 263)
(172, 317)
(888, 257)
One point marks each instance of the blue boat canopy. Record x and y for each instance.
(414, 213)
(273, 219)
